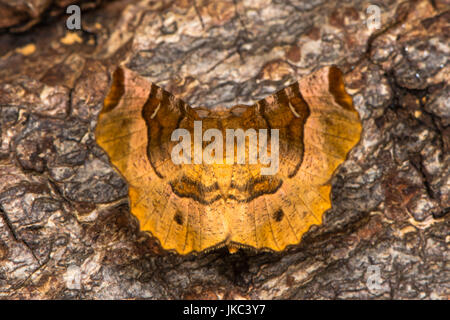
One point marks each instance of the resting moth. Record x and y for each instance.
(192, 207)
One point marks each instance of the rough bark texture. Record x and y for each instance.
(21, 15)
(65, 226)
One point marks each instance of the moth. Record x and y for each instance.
(197, 206)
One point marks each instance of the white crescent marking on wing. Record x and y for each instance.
(293, 110)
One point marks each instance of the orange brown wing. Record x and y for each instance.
(193, 207)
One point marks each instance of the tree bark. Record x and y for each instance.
(65, 226)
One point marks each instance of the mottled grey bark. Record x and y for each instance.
(65, 226)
